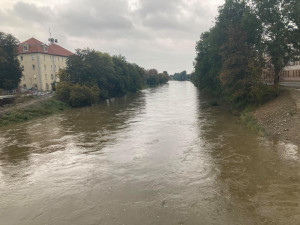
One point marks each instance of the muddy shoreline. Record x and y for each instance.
(280, 117)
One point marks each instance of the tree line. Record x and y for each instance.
(235, 52)
(182, 76)
(91, 76)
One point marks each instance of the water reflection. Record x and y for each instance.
(78, 130)
(256, 180)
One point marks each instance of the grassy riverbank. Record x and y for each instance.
(251, 122)
(47, 107)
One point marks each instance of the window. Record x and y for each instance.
(33, 67)
(32, 57)
(50, 57)
(25, 48)
(21, 57)
(44, 57)
(52, 77)
(51, 67)
(45, 48)
(45, 76)
(45, 67)
(24, 85)
(53, 58)
(58, 58)
(22, 67)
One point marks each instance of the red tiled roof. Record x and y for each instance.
(35, 46)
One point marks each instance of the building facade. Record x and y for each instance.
(41, 64)
(291, 72)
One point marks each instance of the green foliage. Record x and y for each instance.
(229, 57)
(182, 76)
(91, 76)
(114, 76)
(47, 107)
(153, 78)
(81, 95)
(247, 119)
(280, 21)
(63, 90)
(10, 70)
(77, 95)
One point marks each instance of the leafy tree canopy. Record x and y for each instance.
(10, 70)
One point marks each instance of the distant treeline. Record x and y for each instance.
(91, 76)
(182, 76)
(249, 38)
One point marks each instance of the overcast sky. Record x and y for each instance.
(152, 33)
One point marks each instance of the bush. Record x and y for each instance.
(77, 95)
(262, 93)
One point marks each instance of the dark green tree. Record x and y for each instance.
(90, 73)
(10, 70)
(228, 61)
(280, 21)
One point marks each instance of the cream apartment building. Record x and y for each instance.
(41, 63)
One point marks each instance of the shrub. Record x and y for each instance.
(77, 95)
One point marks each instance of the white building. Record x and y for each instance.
(41, 63)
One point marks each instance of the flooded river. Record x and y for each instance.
(161, 156)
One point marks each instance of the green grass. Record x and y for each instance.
(37, 110)
(252, 124)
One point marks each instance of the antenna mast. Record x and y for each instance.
(51, 40)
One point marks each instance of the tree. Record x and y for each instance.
(10, 70)
(241, 69)
(228, 62)
(91, 75)
(182, 76)
(280, 20)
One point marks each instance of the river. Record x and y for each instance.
(160, 156)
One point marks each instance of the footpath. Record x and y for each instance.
(281, 117)
(22, 105)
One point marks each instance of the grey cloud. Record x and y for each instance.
(157, 7)
(148, 34)
(96, 17)
(31, 12)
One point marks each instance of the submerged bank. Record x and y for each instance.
(279, 119)
(32, 111)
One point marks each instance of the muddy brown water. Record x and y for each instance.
(161, 156)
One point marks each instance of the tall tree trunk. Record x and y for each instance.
(276, 76)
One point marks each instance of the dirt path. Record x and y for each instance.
(281, 117)
(24, 104)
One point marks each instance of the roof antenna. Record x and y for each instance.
(51, 40)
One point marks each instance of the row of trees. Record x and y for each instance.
(182, 76)
(91, 76)
(153, 78)
(10, 69)
(231, 56)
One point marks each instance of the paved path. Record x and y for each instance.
(291, 84)
(25, 104)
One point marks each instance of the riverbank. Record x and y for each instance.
(31, 110)
(279, 119)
